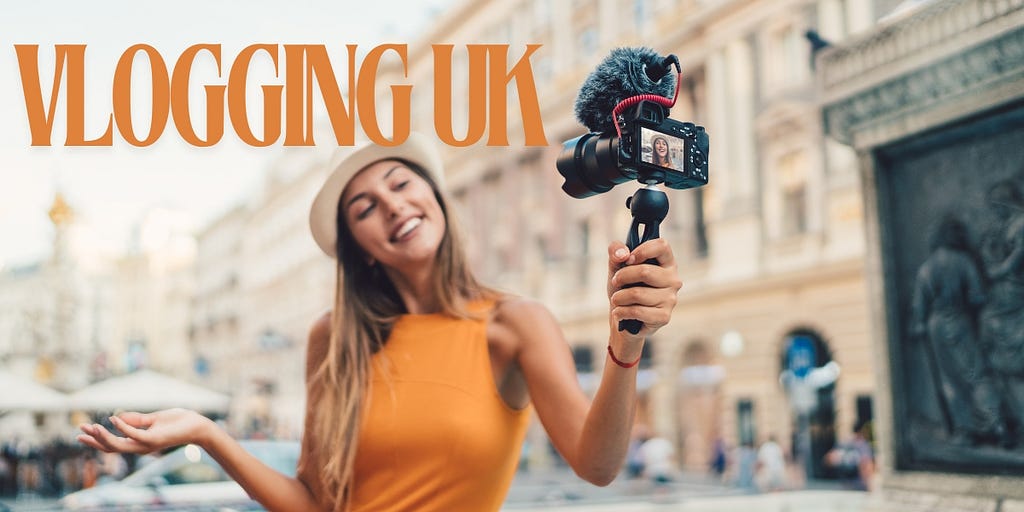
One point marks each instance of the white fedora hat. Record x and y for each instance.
(323, 216)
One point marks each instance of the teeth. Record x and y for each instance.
(409, 226)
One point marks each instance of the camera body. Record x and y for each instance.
(652, 149)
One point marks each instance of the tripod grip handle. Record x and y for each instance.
(648, 207)
(634, 326)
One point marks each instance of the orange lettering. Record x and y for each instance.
(477, 96)
(123, 95)
(306, 63)
(40, 118)
(529, 105)
(486, 92)
(214, 98)
(271, 99)
(366, 93)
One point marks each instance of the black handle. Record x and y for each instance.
(634, 326)
(648, 206)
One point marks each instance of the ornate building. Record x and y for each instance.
(771, 252)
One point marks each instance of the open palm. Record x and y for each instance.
(145, 433)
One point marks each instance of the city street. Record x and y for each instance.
(563, 491)
(793, 501)
(560, 490)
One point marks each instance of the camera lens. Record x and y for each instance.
(590, 165)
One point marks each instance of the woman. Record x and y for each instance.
(661, 156)
(419, 382)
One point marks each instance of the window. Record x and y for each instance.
(787, 58)
(865, 411)
(542, 13)
(583, 356)
(647, 356)
(587, 43)
(639, 14)
(794, 211)
(542, 69)
(745, 422)
(792, 176)
(700, 233)
(543, 250)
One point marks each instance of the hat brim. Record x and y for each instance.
(323, 216)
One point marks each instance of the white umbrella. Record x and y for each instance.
(23, 394)
(146, 391)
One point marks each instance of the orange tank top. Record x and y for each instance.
(436, 434)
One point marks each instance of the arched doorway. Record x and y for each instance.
(809, 375)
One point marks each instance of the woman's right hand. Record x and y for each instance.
(146, 433)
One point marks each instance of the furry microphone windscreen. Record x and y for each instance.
(621, 75)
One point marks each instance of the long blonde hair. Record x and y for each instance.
(366, 305)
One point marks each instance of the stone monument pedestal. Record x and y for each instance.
(933, 104)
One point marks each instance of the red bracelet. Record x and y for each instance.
(620, 363)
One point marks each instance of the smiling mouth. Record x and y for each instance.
(406, 229)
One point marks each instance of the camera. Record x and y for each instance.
(624, 105)
(652, 149)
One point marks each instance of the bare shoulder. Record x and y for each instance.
(512, 310)
(523, 318)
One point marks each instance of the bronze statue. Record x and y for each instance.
(948, 293)
(1002, 318)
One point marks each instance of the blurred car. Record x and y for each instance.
(184, 478)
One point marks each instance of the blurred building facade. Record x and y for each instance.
(53, 318)
(154, 285)
(262, 282)
(771, 252)
(80, 316)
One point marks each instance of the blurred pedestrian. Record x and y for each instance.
(6, 476)
(634, 456)
(419, 381)
(718, 458)
(90, 471)
(854, 460)
(659, 460)
(112, 467)
(9, 452)
(771, 466)
(745, 464)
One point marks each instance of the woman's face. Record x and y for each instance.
(393, 214)
(660, 147)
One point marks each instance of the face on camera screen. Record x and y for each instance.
(660, 149)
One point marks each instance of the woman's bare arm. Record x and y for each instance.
(146, 433)
(593, 437)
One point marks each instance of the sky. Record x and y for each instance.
(112, 188)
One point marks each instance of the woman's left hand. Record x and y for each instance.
(651, 303)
